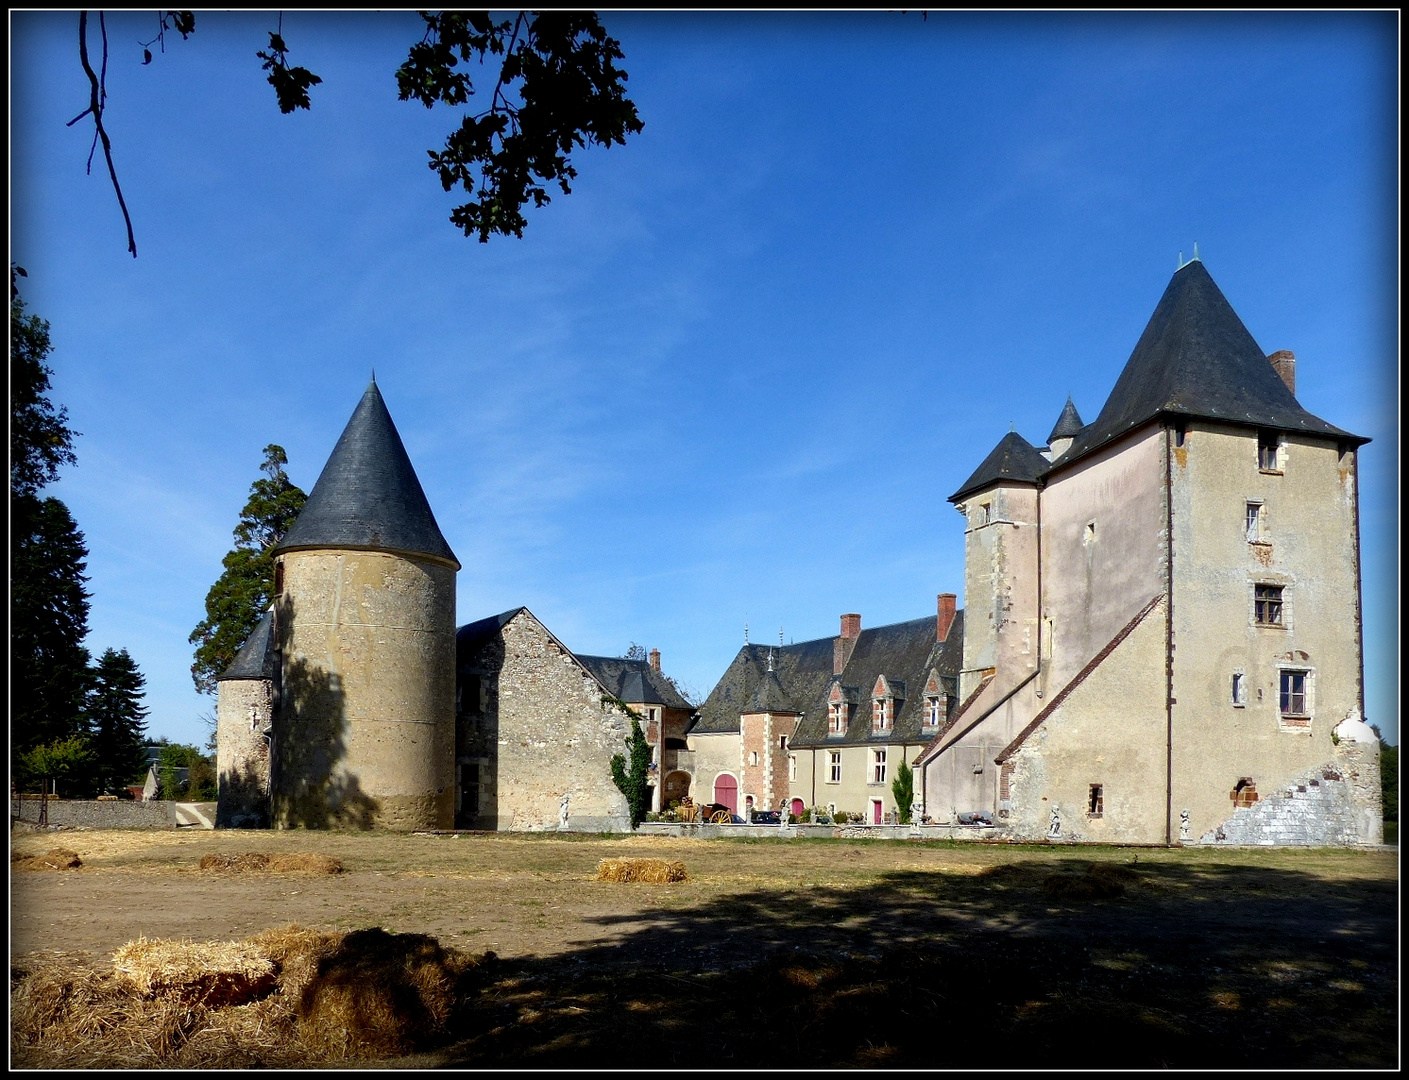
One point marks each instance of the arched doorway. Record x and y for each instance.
(676, 787)
(726, 792)
(797, 808)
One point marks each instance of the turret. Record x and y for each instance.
(365, 624)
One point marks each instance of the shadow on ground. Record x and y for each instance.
(1189, 966)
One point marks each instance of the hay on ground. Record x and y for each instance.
(277, 863)
(651, 871)
(214, 973)
(56, 859)
(280, 999)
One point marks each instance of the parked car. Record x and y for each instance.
(767, 817)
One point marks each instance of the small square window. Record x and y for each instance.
(1252, 521)
(753, 757)
(1095, 801)
(985, 513)
(1180, 434)
(783, 743)
(1267, 451)
(1267, 605)
(1293, 699)
(1240, 689)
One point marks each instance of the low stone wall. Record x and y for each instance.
(114, 814)
(847, 832)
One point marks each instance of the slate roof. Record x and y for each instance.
(1013, 460)
(471, 636)
(634, 681)
(904, 652)
(1069, 424)
(368, 495)
(255, 660)
(770, 696)
(1197, 359)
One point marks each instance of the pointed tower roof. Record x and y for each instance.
(1196, 358)
(1012, 461)
(770, 696)
(255, 660)
(1069, 424)
(368, 496)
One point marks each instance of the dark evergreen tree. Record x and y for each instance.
(244, 591)
(48, 598)
(903, 788)
(117, 721)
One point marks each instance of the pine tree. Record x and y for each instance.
(903, 788)
(48, 622)
(48, 600)
(244, 591)
(117, 721)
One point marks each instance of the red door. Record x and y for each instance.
(726, 791)
(876, 805)
(797, 808)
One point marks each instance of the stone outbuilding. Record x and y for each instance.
(1163, 635)
(537, 727)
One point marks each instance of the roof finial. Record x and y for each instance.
(780, 635)
(1196, 253)
(746, 632)
(770, 658)
(1181, 261)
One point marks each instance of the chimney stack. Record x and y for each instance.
(655, 659)
(841, 648)
(946, 615)
(1283, 362)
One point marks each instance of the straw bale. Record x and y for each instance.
(277, 863)
(214, 973)
(651, 871)
(56, 859)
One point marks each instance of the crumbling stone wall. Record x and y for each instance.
(1335, 804)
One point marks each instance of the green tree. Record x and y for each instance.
(245, 589)
(557, 88)
(630, 779)
(117, 721)
(198, 785)
(1389, 776)
(66, 763)
(40, 439)
(903, 788)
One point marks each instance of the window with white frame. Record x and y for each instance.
(834, 767)
(933, 710)
(792, 766)
(836, 718)
(1294, 694)
(878, 766)
(883, 714)
(1252, 521)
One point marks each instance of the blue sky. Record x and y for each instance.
(735, 375)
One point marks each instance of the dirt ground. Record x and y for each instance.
(802, 952)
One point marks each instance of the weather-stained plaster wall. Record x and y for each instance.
(1108, 731)
(543, 734)
(1303, 541)
(366, 726)
(243, 715)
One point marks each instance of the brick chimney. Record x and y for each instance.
(841, 648)
(655, 659)
(1283, 362)
(946, 615)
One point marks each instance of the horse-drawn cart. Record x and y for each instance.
(714, 813)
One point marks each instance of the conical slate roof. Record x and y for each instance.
(368, 495)
(1013, 460)
(255, 660)
(1069, 424)
(1196, 358)
(770, 696)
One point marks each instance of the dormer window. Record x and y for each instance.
(836, 718)
(934, 710)
(882, 714)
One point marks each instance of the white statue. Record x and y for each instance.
(1054, 827)
(563, 812)
(1185, 832)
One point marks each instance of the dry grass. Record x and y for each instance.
(274, 863)
(279, 999)
(650, 871)
(1101, 881)
(54, 859)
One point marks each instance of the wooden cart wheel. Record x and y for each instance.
(721, 817)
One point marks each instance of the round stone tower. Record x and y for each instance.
(364, 734)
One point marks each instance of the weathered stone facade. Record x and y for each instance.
(244, 718)
(535, 738)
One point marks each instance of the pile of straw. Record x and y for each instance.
(277, 863)
(651, 871)
(56, 859)
(280, 999)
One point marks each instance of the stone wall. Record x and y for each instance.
(544, 737)
(244, 711)
(106, 814)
